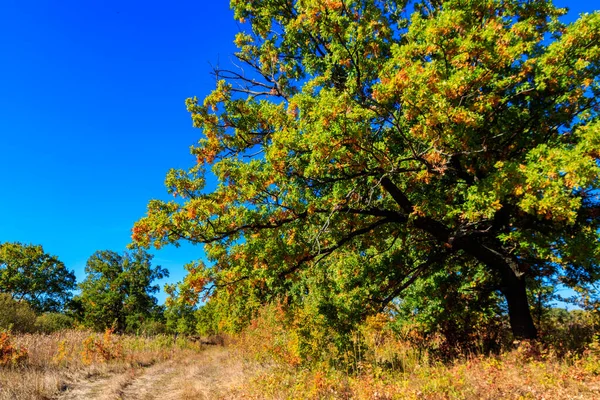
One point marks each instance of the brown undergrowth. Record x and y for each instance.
(40, 366)
(275, 359)
(509, 376)
(380, 363)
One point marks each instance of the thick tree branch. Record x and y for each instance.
(428, 224)
(319, 255)
(412, 276)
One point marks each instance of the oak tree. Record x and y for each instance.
(28, 273)
(386, 140)
(118, 291)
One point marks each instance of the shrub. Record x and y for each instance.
(53, 322)
(10, 354)
(569, 331)
(151, 327)
(16, 315)
(108, 347)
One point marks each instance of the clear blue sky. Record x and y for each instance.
(92, 115)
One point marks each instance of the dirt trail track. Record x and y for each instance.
(207, 375)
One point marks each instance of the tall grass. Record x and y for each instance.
(381, 363)
(54, 362)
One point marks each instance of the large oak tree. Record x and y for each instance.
(397, 137)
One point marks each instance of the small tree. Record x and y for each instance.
(16, 315)
(180, 309)
(28, 273)
(118, 290)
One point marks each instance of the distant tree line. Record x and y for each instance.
(38, 293)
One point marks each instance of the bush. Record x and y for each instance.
(10, 354)
(151, 327)
(569, 331)
(53, 322)
(16, 315)
(107, 347)
(180, 317)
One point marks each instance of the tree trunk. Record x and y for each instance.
(519, 313)
(490, 253)
(512, 286)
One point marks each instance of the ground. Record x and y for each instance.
(210, 374)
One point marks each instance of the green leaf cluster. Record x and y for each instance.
(118, 291)
(29, 274)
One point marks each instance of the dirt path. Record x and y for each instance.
(211, 374)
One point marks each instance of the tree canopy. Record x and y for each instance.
(374, 142)
(28, 273)
(118, 290)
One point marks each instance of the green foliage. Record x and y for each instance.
(179, 314)
(152, 327)
(118, 291)
(225, 313)
(28, 273)
(208, 320)
(53, 322)
(457, 302)
(370, 149)
(16, 315)
(569, 332)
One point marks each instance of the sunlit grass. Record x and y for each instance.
(54, 363)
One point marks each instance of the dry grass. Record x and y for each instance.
(78, 365)
(59, 362)
(379, 363)
(523, 373)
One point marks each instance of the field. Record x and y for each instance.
(84, 365)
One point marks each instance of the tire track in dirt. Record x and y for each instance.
(150, 382)
(211, 374)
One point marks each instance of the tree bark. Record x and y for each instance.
(512, 286)
(519, 312)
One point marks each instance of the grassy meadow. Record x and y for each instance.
(42, 366)
(523, 373)
(269, 360)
